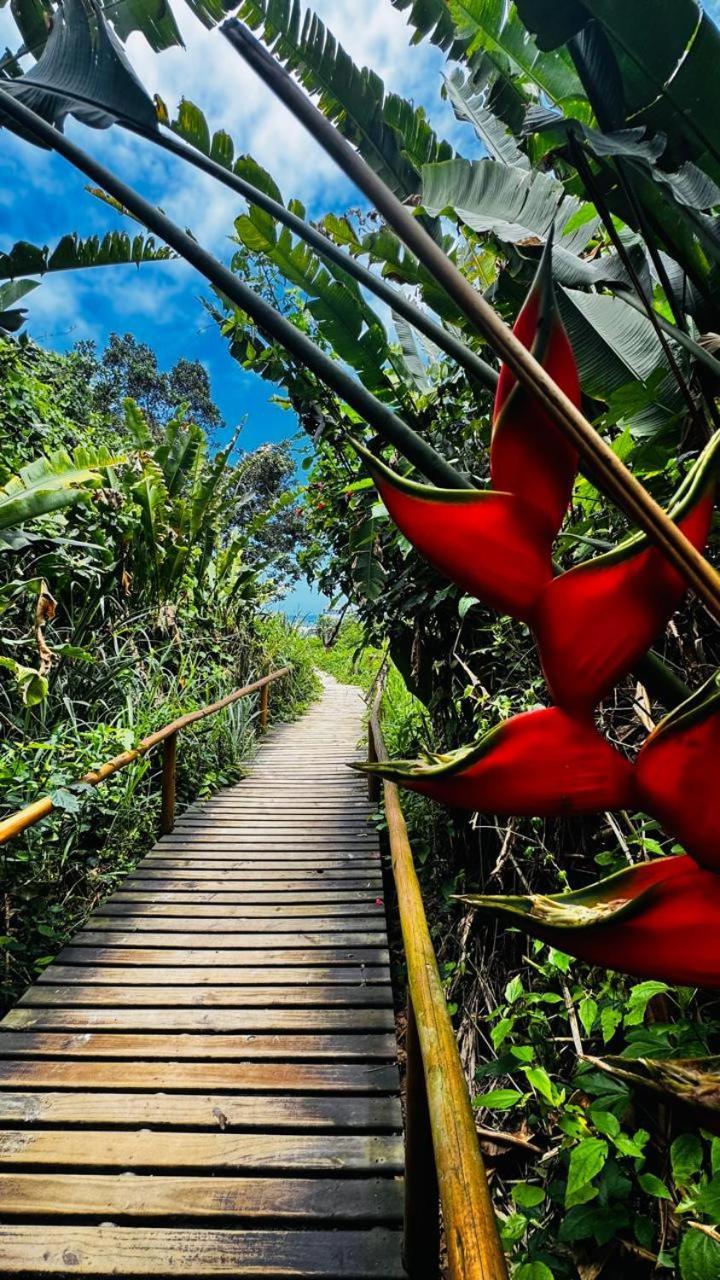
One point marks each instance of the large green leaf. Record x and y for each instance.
(12, 318)
(336, 302)
(469, 99)
(49, 483)
(71, 253)
(32, 17)
(515, 205)
(393, 137)
(494, 27)
(431, 20)
(614, 346)
(668, 58)
(83, 71)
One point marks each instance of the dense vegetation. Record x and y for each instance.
(605, 126)
(145, 599)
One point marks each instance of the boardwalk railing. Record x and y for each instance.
(443, 1161)
(39, 809)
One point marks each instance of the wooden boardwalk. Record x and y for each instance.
(204, 1083)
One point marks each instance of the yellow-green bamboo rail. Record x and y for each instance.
(18, 822)
(449, 1155)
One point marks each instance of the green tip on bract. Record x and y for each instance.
(432, 764)
(380, 471)
(598, 904)
(702, 703)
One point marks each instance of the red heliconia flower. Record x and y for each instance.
(677, 770)
(529, 455)
(541, 763)
(490, 544)
(496, 544)
(593, 622)
(656, 920)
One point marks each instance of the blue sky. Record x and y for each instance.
(42, 197)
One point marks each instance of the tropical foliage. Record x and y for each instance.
(134, 584)
(599, 126)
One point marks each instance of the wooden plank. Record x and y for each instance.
(206, 1048)
(242, 1152)
(135, 1251)
(287, 911)
(199, 897)
(322, 877)
(240, 864)
(148, 938)
(240, 924)
(217, 1111)
(327, 1021)
(261, 897)
(231, 873)
(198, 956)
(202, 1077)
(43, 996)
(290, 977)
(181, 885)
(311, 1200)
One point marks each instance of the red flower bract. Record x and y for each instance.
(593, 622)
(656, 920)
(543, 763)
(676, 774)
(529, 455)
(489, 544)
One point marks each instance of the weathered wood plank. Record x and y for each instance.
(261, 897)
(174, 955)
(312, 1200)
(42, 995)
(58, 1250)
(242, 1152)
(188, 885)
(89, 1044)
(206, 863)
(271, 977)
(220, 1112)
(68, 1018)
(239, 924)
(287, 911)
(148, 938)
(202, 1077)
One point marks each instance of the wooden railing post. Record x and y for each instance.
(374, 781)
(421, 1228)
(167, 811)
(264, 707)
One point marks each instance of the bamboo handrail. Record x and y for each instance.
(473, 1245)
(23, 818)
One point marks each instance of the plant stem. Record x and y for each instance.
(609, 473)
(382, 419)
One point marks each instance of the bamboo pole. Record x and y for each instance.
(606, 469)
(264, 708)
(167, 806)
(32, 813)
(473, 1245)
